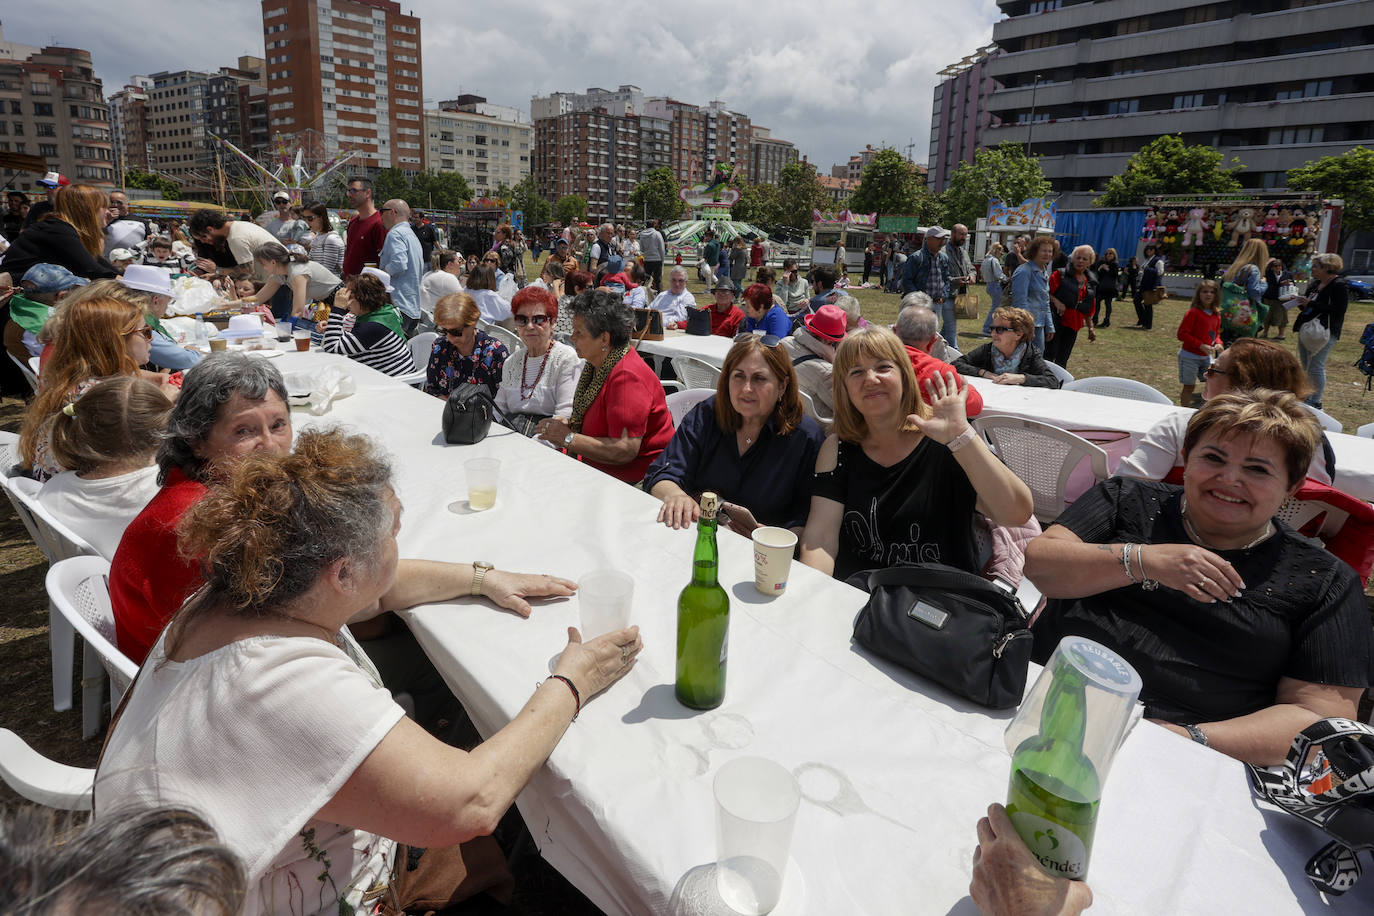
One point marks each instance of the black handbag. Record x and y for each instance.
(963, 632)
(468, 414)
(699, 322)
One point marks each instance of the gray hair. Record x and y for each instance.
(679, 270)
(851, 308)
(916, 298)
(604, 226)
(207, 387)
(604, 312)
(157, 861)
(916, 322)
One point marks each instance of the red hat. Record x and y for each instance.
(827, 322)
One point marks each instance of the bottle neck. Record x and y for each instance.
(705, 558)
(1065, 714)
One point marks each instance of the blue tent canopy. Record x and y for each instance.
(1102, 229)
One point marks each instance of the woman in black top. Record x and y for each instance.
(1325, 301)
(1073, 296)
(1107, 271)
(73, 237)
(1275, 276)
(897, 481)
(1243, 631)
(1010, 358)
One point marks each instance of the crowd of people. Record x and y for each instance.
(253, 573)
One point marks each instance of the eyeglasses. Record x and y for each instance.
(1213, 370)
(768, 340)
(537, 320)
(384, 210)
(355, 190)
(1000, 329)
(145, 331)
(450, 332)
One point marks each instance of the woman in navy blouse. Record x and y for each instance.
(749, 442)
(761, 313)
(462, 353)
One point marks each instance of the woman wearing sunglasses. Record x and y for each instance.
(327, 247)
(539, 379)
(1011, 357)
(749, 442)
(462, 354)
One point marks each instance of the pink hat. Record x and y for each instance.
(827, 322)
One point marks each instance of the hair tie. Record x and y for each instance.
(70, 409)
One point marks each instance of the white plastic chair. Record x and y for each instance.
(1059, 372)
(509, 338)
(420, 347)
(79, 589)
(1043, 456)
(29, 375)
(680, 403)
(693, 373)
(809, 408)
(58, 542)
(1113, 387)
(1328, 422)
(43, 781)
(1366, 431)
(9, 453)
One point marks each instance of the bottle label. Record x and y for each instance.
(1058, 849)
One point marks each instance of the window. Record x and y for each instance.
(48, 149)
(1288, 135)
(45, 129)
(19, 128)
(42, 109)
(15, 107)
(1125, 106)
(1188, 101)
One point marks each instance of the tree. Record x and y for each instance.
(422, 190)
(656, 196)
(799, 193)
(525, 197)
(890, 184)
(1002, 173)
(760, 204)
(147, 181)
(569, 209)
(1167, 165)
(1348, 177)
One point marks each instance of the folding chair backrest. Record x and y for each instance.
(693, 373)
(1112, 387)
(1328, 422)
(26, 370)
(18, 490)
(9, 453)
(1043, 456)
(1059, 372)
(79, 588)
(55, 539)
(680, 403)
(509, 338)
(41, 780)
(421, 345)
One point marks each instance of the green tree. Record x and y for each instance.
(656, 196)
(147, 181)
(892, 185)
(570, 208)
(1003, 173)
(1167, 165)
(760, 204)
(1348, 177)
(526, 198)
(799, 192)
(438, 191)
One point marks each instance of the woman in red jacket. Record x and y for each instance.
(1198, 332)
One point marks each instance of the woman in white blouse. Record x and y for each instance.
(106, 440)
(539, 379)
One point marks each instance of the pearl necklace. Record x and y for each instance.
(527, 391)
(1193, 535)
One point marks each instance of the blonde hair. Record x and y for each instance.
(457, 307)
(1255, 252)
(876, 343)
(1019, 320)
(119, 419)
(1274, 416)
(100, 289)
(1329, 262)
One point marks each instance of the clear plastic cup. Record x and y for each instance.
(483, 475)
(773, 548)
(756, 809)
(302, 337)
(604, 598)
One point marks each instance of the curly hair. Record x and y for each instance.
(267, 532)
(368, 292)
(604, 312)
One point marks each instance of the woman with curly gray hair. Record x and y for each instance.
(311, 773)
(620, 421)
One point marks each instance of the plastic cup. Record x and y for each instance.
(218, 343)
(773, 548)
(756, 808)
(483, 474)
(302, 339)
(604, 597)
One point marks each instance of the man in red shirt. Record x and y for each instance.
(919, 330)
(726, 317)
(366, 234)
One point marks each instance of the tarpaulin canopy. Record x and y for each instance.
(1102, 229)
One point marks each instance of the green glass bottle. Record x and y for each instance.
(703, 620)
(1055, 789)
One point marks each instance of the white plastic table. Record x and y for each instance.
(895, 771)
(710, 349)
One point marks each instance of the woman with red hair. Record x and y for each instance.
(538, 380)
(761, 313)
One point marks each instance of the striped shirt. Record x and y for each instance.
(327, 250)
(370, 343)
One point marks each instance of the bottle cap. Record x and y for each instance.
(710, 504)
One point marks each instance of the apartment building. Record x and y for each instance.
(129, 125)
(487, 150)
(767, 155)
(686, 137)
(350, 69)
(626, 100)
(592, 154)
(959, 115)
(1273, 83)
(52, 106)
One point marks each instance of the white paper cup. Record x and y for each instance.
(483, 475)
(773, 549)
(604, 597)
(756, 808)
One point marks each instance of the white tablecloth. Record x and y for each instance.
(711, 349)
(1080, 410)
(896, 773)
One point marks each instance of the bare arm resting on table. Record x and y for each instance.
(429, 581)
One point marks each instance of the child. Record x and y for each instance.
(1198, 332)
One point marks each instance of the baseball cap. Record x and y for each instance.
(52, 278)
(281, 195)
(123, 254)
(148, 279)
(381, 275)
(53, 180)
(827, 322)
(937, 232)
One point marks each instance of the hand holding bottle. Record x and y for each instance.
(1007, 881)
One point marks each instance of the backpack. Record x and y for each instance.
(1239, 315)
(1366, 361)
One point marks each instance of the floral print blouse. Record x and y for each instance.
(448, 369)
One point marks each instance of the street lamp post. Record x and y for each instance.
(1030, 128)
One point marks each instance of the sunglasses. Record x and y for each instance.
(145, 331)
(1001, 329)
(450, 332)
(490, 261)
(768, 340)
(384, 210)
(537, 320)
(1213, 370)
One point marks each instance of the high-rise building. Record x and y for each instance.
(487, 150)
(351, 70)
(54, 108)
(129, 125)
(655, 144)
(959, 115)
(727, 140)
(626, 100)
(187, 109)
(686, 137)
(1275, 83)
(592, 154)
(767, 156)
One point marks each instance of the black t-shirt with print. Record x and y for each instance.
(919, 510)
(1301, 615)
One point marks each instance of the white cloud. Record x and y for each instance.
(829, 77)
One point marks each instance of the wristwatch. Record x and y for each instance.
(568, 440)
(480, 568)
(1196, 734)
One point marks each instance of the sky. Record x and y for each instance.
(829, 76)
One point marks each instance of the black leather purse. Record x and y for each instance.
(468, 414)
(699, 322)
(963, 632)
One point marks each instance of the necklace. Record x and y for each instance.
(527, 391)
(1197, 539)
